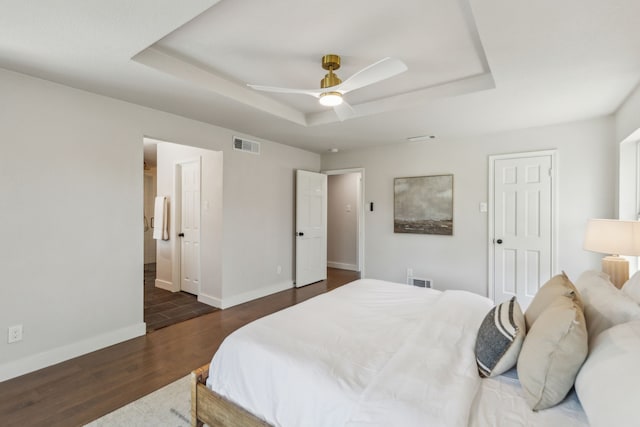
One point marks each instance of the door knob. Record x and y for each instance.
(300, 234)
(181, 235)
(499, 241)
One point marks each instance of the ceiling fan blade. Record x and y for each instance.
(376, 72)
(313, 92)
(344, 111)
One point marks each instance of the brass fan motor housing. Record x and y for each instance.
(330, 62)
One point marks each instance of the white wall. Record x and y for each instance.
(342, 220)
(628, 116)
(71, 186)
(628, 180)
(628, 135)
(587, 175)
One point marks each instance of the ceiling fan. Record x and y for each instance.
(332, 88)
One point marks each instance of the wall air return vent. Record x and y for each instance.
(421, 283)
(241, 144)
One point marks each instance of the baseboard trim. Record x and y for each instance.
(209, 300)
(255, 294)
(60, 354)
(167, 286)
(342, 266)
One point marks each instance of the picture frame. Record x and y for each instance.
(423, 205)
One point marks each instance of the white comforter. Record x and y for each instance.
(370, 353)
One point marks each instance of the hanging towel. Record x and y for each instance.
(161, 220)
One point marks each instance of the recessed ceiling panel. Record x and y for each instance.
(281, 42)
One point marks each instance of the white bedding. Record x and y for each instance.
(500, 403)
(369, 353)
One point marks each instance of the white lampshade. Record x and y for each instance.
(612, 236)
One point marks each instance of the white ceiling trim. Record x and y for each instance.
(166, 63)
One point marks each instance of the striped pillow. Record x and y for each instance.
(500, 339)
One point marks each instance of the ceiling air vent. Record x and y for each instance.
(246, 145)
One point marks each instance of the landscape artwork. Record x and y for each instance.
(423, 205)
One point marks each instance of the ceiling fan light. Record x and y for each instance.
(331, 99)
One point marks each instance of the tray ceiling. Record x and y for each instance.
(475, 66)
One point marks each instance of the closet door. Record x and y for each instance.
(522, 218)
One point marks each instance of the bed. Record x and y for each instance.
(371, 353)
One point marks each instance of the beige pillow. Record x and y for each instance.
(557, 286)
(604, 304)
(553, 351)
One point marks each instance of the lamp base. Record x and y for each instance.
(617, 268)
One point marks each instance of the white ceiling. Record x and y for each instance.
(475, 66)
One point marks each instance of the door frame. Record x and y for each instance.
(491, 213)
(176, 268)
(152, 176)
(360, 212)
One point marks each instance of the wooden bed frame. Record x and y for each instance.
(209, 407)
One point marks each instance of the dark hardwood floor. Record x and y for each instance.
(80, 390)
(163, 308)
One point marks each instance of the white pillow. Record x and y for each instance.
(632, 287)
(607, 385)
(604, 304)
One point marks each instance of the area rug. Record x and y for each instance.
(168, 406)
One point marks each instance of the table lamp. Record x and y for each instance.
(614, 237)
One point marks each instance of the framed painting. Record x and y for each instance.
(423, 205)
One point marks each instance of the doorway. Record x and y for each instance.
(190, 180)
(345, 218)
(340, 245)
(149, 196)
(522, 220)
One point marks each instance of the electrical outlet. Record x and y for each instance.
(279, 270)
(15, 334)
(409, 272)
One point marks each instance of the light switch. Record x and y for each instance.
(483, 207)
(348, 208)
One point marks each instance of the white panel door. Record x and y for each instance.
(190, 227)
(311, 227)
(522, 239)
